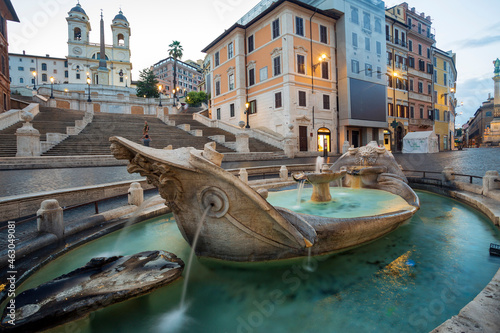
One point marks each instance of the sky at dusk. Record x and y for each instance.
(470, 29)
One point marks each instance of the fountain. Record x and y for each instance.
(242, 225)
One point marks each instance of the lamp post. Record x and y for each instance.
(88, 84)
(159, 90)
(52, 87)
(321, 59)
(126, 81)
(34, 80)
(247, 111)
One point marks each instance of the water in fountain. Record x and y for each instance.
(300, 187)
(308, 266)
(319, 164)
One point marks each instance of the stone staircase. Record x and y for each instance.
(49, 120)
(93, 140)
(187, 118)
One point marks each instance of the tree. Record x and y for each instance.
(148, 84)
(196, 98)
(175, 51)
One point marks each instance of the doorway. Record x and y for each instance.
(355, 138)
(324, 140)
(303, 138)
(399, 139)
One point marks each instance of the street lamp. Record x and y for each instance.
(247, 111)
(159, 90)
(126, 81)
(34, 80)
(52, 87)
(88, 84)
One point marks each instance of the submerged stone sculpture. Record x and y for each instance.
(102, 282)
(240, 224)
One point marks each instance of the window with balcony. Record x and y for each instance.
(421, 65)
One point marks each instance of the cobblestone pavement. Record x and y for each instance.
(473, 161)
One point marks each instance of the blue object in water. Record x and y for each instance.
(410, 262)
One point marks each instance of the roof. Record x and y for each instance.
(419, 135)
(329, 13)
(78, 8)
(34, 56)
(13, 15)
(120, 16)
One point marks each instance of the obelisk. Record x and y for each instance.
(102, 71)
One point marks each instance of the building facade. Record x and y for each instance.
(275, 69)
(31, 70)
(7, 13)
(84, 56)
(188, 76)
(398, 109)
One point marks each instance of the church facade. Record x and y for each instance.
(84, 57)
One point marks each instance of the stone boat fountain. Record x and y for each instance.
(241, 225)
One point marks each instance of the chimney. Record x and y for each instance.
(413, 9)
(428, 18)
(24, 52)
(422, 14)
(47, 55)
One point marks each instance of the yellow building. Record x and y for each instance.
(445, 75)
(280, 65)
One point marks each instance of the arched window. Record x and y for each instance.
(121, 40)
(98, 56)
(77, 34)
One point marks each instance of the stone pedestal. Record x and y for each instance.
(345, 147)
(283, 173)
(50, 218)
(290, 143)
(28, 141)
(321, 192)
(242, 145)
(244, 175)
(489, 183)
(135, 194)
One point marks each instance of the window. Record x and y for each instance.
(77, 34)
(411, 85)
(409, 22)
(387, 33)
(251, 77)
(389, 81)
(429, 88)
(389, 59)
(354, 15)
(411, 62)
(410, 45)
(445, 79)
(231, 82)
(231, 110)
(217, 88)
(263, 74)
(403, 39)
(435, 77)
(216, 60)
(252, 107)
(44, 66)
(276, 28)
(367, 43)
(368, 70)
(390, 109)
(444, 65)
(299, 26)
(66, 74)
(379, 72)
(20, 68)
(419, 28)
(277, 66)
(420, 87)
(412, 112)
(428, 53)
(378, 25)
(302, 98)
(218, 114)
(301, 66)
(419, 49)
(366, 21)
(421, 113)
(21, 80)
(277, 100)
(435, 61)
(323, 34)
(355, 66)
(430, 69)
(250, 44)
(326, 102)
(121, 79)
(324, 70)
(230, 50)
(379, 48)
(78, 76)
(354, 39)
(436, 114)
(396, 36)
(421, 65)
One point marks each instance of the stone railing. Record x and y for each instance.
(253, 133)
(12, 117)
